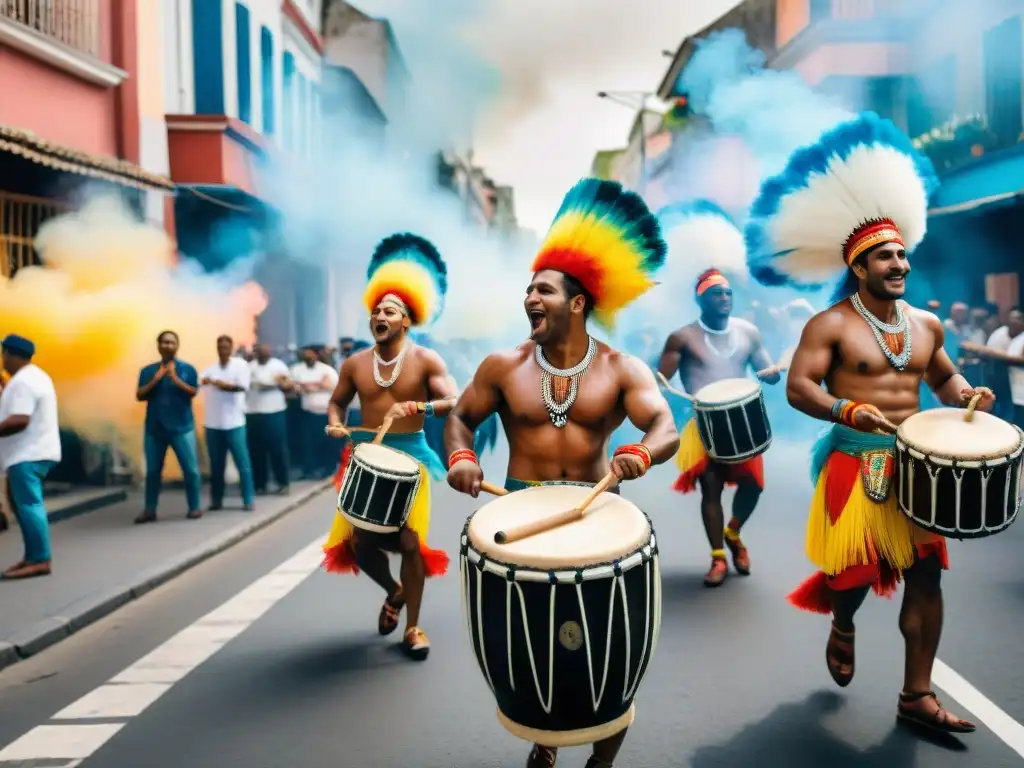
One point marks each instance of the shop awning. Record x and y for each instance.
(27, 145)
(994, 179)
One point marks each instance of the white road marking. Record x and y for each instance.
(130, 692)
(974, 701)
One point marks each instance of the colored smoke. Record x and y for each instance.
(110, 284)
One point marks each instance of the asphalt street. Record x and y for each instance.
(290, 672)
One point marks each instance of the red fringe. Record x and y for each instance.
(814, 593)
(346, 455)
(342, 559)
(751, 470)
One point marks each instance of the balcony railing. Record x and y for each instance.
(74, 23)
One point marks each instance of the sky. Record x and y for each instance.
(543, 125)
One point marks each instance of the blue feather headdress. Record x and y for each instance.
(702, 236)
(860, 185)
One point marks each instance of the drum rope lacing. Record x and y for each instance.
(557, 411)
(728, 331)
(397, 362)
(880, 329)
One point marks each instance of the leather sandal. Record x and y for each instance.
(387, 621)
(941, 720)
(542, 757)
(839, 656)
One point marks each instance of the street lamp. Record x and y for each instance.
(634, 101)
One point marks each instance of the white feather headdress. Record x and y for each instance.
(860, 185)
(702, 236)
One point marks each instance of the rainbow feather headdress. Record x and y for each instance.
(703, 236)
(860, 185)
(410, 268)
(607, 238)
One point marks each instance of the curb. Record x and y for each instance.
(100, 501)
(87, 610)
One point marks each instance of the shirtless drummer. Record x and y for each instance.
(400, 381)
(715, 347)
(561, 394)
(855, 203)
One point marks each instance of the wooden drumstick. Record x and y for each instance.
(329, 431)
(548, 523)
(492, 489)
(383, 431)
(668, 387)
(969, 416)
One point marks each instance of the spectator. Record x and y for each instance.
(167, 388)
(345, 347)
(29, 449)
(266, 422)
(225, 384)
(1000, 374)
(315, 381)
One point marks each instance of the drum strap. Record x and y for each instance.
(876, 472)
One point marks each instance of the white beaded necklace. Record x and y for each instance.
(397, 362)
(728, 332)
(557, 411)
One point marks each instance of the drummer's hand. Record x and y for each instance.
(465, 477)
(869, 419)
(336, 430)
(988, 397)
(770, 375)
(626, 466)
(401, 411)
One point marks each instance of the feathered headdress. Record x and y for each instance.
(608, 239)
(701, 235)
(409, 268)
(860, 185)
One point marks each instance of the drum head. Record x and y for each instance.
(611, 528)
(384, 458)
(943, 432)
(726, 391)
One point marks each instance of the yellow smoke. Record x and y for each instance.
(107, 288)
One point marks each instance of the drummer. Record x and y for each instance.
(396, 380)
(561, 394)
(714, 347)
(871, 350)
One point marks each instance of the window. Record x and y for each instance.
(302, 121)
(243, 55)
(267, 80)
(1002, 46)
(288, 103)
(208, 57)
(820, 10)
(931, 97)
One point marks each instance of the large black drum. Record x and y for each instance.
(732, 420)
(563, 623)
(379, 488)
(959, 478)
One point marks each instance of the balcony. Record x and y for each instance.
(73, 23)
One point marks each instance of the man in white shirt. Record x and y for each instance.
(29, 449)
(266, 419)
(224, 385)
(315, 381)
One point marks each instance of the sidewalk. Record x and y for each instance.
(102, 561)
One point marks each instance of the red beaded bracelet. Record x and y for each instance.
(464, 454)
(639, 450)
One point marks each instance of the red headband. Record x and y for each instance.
(868, 235)
(715, 278)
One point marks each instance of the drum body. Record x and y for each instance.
(379, 487)
(956, 478)
(563, 624)
(732, 420)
